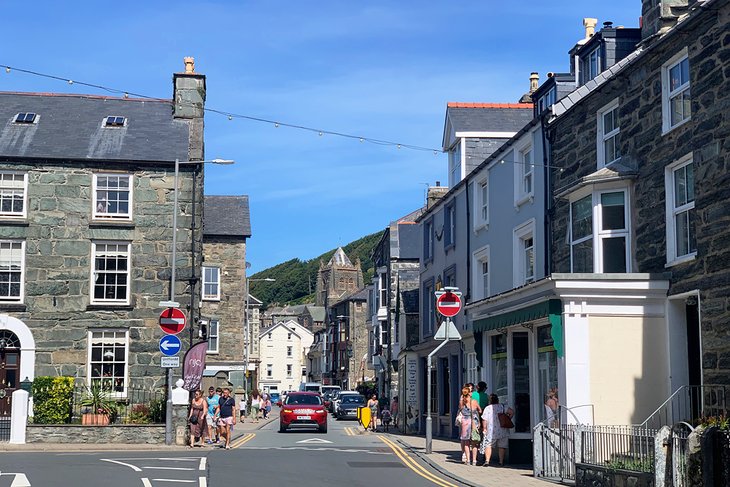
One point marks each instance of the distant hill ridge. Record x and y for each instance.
(296, 279)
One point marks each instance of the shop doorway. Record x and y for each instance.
(9, 371)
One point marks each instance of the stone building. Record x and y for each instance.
(338, 278)
(640, 182)
(347, 341)
(86, 211)
(226, 227)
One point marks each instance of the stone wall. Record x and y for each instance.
(595, 476)
(646, 150)
(229, 254)
(58, 234)
(127, 433)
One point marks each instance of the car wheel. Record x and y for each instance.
(323, 429)
(282, 428)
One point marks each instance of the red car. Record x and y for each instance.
(303, 410)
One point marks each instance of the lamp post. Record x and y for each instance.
(173, 268)
(247, 327)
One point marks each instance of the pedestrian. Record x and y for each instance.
(267, 406)
(212, 419)
(242, 407)
(467, 419)
(386, 418)
(482, 396)
(196, 417)
(264, 400)
(496, 432)
(227, 417)
(373, 406)
(551, 408)
(394, 411)
(255, 405)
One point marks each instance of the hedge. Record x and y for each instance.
(52, 399)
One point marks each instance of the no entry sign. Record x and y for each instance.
(172, 321)
(448, 304)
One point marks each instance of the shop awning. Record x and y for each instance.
(551, 309)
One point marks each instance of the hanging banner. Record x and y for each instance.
(193, 366)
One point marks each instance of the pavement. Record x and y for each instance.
(445, 458)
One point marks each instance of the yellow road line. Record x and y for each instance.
(413, 465)
(244, 439)
(347, 431)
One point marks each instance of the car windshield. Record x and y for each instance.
(307, 399)
(353, 400)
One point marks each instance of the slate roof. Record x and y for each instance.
(71, 127)
(317, 312)
(226, 216)
(486, 117)
(340, 258)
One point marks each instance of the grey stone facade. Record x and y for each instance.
(646, 152)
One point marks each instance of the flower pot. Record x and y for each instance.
(91, 419)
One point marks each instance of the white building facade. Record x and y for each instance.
(283, 350)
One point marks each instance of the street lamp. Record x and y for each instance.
(247, 327)
(173, 268)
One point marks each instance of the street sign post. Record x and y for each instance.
(170, 345)
(172, 321)
(170, 362)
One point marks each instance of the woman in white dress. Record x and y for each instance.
(495, 436)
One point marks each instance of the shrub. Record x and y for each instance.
(52, 399)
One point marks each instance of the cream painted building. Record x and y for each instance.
(283, 352)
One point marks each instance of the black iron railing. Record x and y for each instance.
(618, 447)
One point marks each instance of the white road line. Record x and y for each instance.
(20, 480)
(169, 468)
(203, 482)
(175, 480)
(146, 482)
(136, 469)
(202, 464)
(178, 459)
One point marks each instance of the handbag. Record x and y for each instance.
(194, 419)
(504, 420)
(459, 417)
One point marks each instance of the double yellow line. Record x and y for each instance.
(350, 431)
(413, 465)
(244, 439)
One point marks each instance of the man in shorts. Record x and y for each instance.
(213, 398)
(226, 414)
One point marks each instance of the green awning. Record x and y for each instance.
(551, 309)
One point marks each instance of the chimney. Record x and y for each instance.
(435, 193)
(658, 16)
(590, 26)
(534, 82)
(189, 104)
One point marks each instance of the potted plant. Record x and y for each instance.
(100, 405)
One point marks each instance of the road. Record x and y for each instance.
(342, 457)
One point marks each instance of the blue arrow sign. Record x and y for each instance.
(169, 345)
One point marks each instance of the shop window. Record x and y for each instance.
(521, 382)
(498, 351)
(547, 376)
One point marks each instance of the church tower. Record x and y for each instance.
(338, 278)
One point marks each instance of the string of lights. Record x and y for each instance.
(231, 115)
(226, 113)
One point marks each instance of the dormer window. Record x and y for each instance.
(114, 121)
(25, 118)
(590, 65)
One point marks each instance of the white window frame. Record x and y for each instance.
(470, 365)
(96, 204)
(671, 212)
(11, 243)
(481, 203)
(520, 234)
(587, 62)
(428, 247)
(597, 235)
(524, 171)
(290, 351)
(382, 290)
(269, 371)
(289, 371)
(214, 349)
(450, 224)
(90, 343)
(602, 137)
(482, 289)
(94, 274)
(668, 95)
(454, 164)
(211, 282)
(11, 191)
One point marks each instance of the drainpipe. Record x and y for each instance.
(547, 200)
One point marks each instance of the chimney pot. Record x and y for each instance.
(590, 26)
(189, 64)
(438, 183)
(534, 81)
(607, 24)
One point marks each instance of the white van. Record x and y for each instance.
(310, 387)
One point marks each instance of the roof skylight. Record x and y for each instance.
(25, 118)
(114, 122)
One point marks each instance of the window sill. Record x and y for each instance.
(524, 199)
(211, 300)
(111, 224)
(209, 352)
(12, 307)
(448, 247)
(109, 307)
(15, 222)
(666, 129)
(480, 227)
(682, 260)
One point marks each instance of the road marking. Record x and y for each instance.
(314, 440)
(168, 468)
(136, 469)
(202, 464)
(146, 482)
(179, 481)
(202, 482)
(348, 432)
(413, 465)
(20, 480)
(244, 439)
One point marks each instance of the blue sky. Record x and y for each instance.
(383, 70)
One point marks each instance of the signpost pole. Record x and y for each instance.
(168, 404)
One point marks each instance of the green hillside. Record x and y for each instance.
(296, 279)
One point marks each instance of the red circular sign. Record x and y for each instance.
(448, 304)
(172, 321)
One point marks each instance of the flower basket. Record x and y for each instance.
(94, 419)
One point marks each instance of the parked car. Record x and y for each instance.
(340, 397)
(275, 398)
(310, 387)
(348, 406)
(303, 410)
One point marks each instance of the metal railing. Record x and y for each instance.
(554, 451)
(618, 447)
(690, 404)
